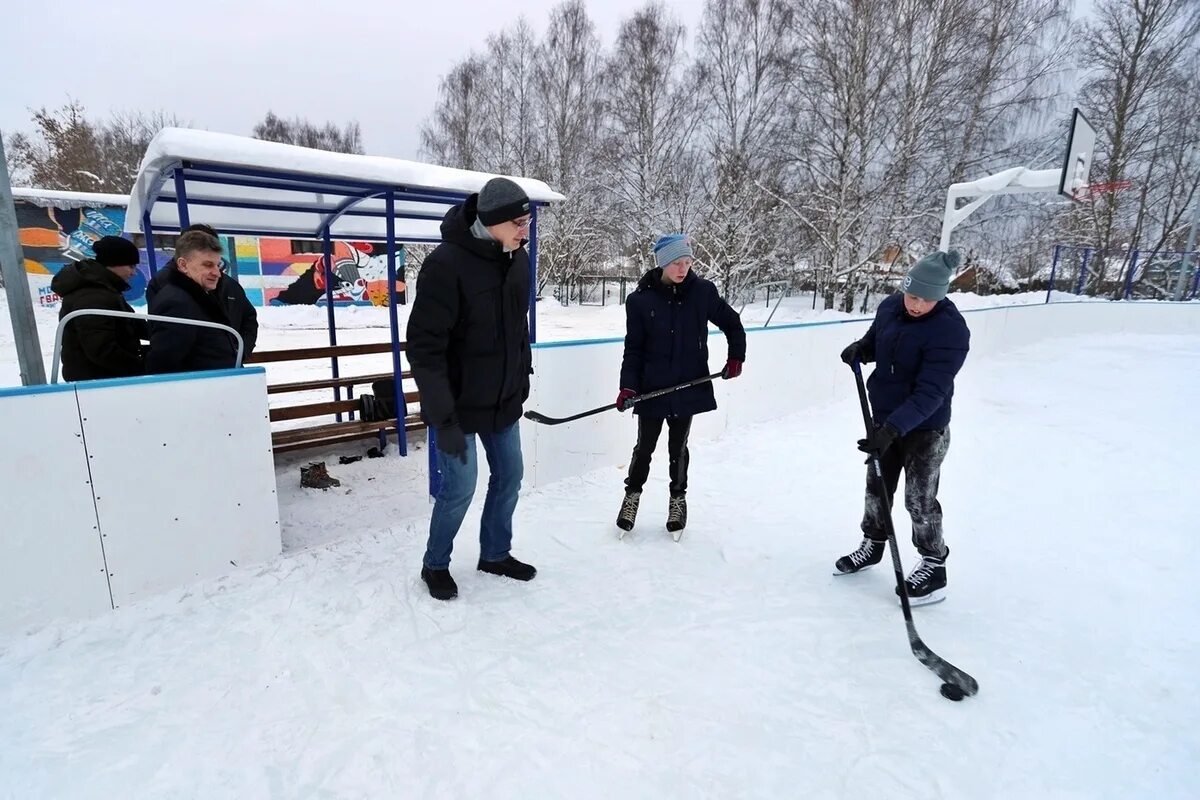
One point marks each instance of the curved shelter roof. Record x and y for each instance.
(243, 185)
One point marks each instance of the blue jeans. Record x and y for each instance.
(503, 450)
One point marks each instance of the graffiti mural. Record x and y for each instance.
(272, 271)
(359, 270)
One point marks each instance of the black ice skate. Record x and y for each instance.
(866, 556)
(628, 513)
(926, 584)
(677, 516)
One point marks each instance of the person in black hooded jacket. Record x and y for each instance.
(242, 316)
(468, 345)
(94, 346)
(188, 294)
(666, 344)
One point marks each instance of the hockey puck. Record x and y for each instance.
(952, 692)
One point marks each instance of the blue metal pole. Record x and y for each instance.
(232, 259)
(435, 472)
(1196, 281)
(148, 232)
(398, 381)
(1133, 260)
(181, 200)
(533, 274)
(1053, 271)
(1083, 271)
(327, 247)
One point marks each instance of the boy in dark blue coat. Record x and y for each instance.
(666, 344)
(918, 342)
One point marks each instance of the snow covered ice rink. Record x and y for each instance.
(730, 665)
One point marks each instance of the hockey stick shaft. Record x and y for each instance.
(942, 668)
(544, 420)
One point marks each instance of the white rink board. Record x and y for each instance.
(51, 563)
(788, 369)
(184, 477)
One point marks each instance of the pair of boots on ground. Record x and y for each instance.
(925, 584)
(676, 512)
(442, 586)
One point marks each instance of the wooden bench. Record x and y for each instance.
(330, 433)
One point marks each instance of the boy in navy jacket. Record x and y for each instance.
(918, 342)
(666, 344)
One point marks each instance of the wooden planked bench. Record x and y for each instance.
(330, 433)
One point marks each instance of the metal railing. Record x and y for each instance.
(101, 312)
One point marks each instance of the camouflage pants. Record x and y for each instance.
(919, 455)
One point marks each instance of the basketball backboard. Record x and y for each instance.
(1077, 165)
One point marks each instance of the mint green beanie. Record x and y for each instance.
(929, 278)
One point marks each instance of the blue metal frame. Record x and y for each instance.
(330, 277)
(394, 320)
(1053, 271)
(181, 201)
(148, 233)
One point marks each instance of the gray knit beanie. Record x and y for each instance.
(929, 278)
(501, 200)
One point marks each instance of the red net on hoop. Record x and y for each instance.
(1091, 190)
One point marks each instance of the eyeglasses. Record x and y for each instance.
(523, 224)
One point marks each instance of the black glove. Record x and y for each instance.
(854, 352)
(452, 442)
(880, 440)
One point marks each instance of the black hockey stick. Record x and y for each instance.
(542, 418)
(961, 681)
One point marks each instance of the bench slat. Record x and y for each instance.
(306, 353)
(327, 408)
(329, 383)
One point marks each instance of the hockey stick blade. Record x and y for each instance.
(940, 666)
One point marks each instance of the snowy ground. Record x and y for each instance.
(730, 665)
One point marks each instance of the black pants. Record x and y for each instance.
(920, 455)
(677, 436)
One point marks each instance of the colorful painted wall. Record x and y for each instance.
(269, 269)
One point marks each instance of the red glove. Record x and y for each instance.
(733, 368)
(624, 397)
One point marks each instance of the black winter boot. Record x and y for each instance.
(441, 585)
(508, 568)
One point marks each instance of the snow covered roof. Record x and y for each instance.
(50, 198)
(243, 185)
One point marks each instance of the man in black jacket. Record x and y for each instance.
(468, 344)
(189, 293)
(242, 316)
(666, 344)
(95, 346)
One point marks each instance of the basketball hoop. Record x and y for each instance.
(1089, 192)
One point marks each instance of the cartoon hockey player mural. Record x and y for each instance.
(360, 273)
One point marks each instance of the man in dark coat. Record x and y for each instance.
(242, 316)
(189, 293)
(918, 342)
(95, 346)
(468, 344)
(666, 344)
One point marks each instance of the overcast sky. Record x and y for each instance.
(220, 64)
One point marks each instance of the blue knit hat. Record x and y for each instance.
(929, 278)
(672, 247)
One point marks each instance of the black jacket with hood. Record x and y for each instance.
(92, 346)
(468, 332)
